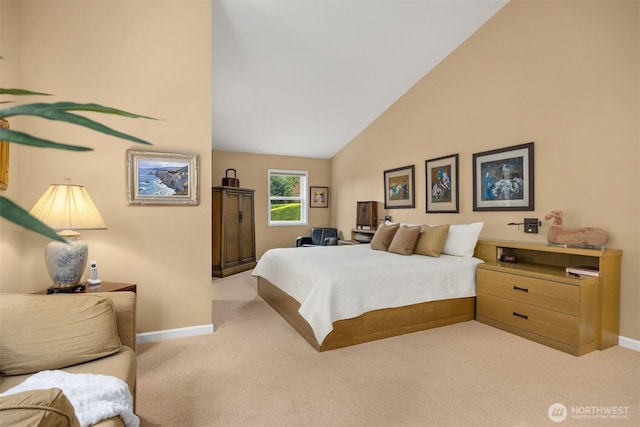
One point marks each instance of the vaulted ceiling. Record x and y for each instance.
(304, 77)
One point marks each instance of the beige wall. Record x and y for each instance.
(152, 58)
(252, 170)
(562, 74)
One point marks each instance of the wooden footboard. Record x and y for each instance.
(373, 325)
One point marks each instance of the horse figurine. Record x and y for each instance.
(586, 236)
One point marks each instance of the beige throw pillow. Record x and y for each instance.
(42, 408)
(383, 236)
(41, 332)
(431, 240)
(404, 241)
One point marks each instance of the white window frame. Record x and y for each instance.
(304, 197)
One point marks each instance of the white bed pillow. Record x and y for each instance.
(462, 239)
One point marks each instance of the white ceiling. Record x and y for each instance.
(304, 77)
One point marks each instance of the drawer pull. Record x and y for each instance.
(516, 288)
(524, 316)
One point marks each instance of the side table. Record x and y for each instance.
(102, 287)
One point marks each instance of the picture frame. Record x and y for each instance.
(4, 159)
(399, 188)
(503, 179)
(162, 178)
(318, 197)
(441, 177)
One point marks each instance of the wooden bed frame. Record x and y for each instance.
(373, 325)
(377, 324)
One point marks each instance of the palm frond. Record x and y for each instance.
(60, 111)
(20, 92)
(17, 215)
(52, 111)
(17, 137)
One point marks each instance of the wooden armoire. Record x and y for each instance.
(366, 215)
(233, 228)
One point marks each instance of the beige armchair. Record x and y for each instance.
(91, 333)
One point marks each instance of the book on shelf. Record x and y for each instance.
(583, 271)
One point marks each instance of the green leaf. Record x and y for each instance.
(26, 139)
(17, 215)
(59, 111)
(19, 92)
(74, 106)
(52, 111)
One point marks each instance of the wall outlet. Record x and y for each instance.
(531, 225)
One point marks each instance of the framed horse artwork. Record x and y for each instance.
(503, 179)
(441, 176)
(399, 188)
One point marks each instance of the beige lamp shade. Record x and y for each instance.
(68, 207)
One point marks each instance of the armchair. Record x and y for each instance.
(320, 236)
(93, 333)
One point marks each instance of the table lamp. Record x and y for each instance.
(67, 208)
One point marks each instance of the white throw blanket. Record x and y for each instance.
(94, 397)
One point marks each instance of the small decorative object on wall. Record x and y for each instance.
(503, 179)
(4, 158)
(442, 184)
(319, 197)
(399, 188)
(160, 178)
(588, 237)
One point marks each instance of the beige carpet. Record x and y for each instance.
(255, 370)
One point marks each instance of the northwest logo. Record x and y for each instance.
(557, 412)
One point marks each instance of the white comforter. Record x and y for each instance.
(341, 282)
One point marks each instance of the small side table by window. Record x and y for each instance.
(102, 287)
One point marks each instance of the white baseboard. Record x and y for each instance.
(191, 331)
(629, 343)
(169, 334)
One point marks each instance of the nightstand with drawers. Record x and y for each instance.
(536, 299)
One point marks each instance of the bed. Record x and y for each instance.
(345, 295)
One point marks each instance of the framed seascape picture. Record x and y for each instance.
(503, 179)
(319, 197)
(157, 178)
(442, 184)
(399, 188)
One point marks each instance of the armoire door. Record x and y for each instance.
(232, 228)
(246, 237)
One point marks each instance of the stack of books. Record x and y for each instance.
(583, 271)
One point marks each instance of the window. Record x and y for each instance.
(287, 197)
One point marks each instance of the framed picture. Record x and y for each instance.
(319, 197)
(442, 184)
(503, 179)
(157, 178)
(399, 188)
(4, 158)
